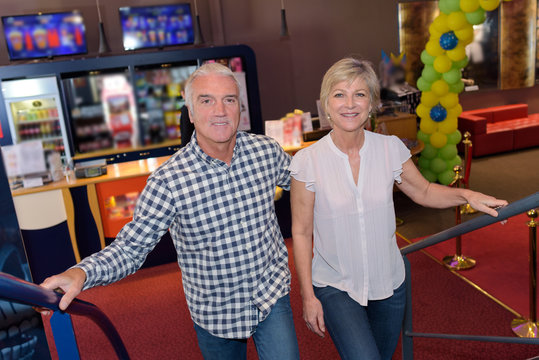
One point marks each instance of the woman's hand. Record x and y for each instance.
(314, 316)
(485, 203)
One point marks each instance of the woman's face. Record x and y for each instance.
(349, 104)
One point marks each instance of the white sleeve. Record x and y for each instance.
(301, 169)
(399, 155)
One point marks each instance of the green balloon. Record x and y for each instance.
(448, 152)
(476, 17)
(452, 76)
(427, 58)
(429, 151)
(456, 87)
(430, 74)
(445, 7)
(454, 162)
(437, 165)
(423, 162)
(429, 175)
(454, 138)
(446, 177)
(423, 137)
(423, 84)
(453, 5)
(461, 64)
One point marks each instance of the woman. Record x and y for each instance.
(342, 194)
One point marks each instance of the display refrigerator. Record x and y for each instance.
(34, 112)
(159, 100)
(101, 109)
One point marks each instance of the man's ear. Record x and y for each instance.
(190, 114)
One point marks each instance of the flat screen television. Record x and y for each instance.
(156, 26)
(44, 35)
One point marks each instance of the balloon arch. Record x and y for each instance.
(440, 83)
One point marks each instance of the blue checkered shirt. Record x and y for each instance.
(232, 256)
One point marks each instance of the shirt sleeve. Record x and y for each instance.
(282, 163)
(153, 215)
(400, 154)
(301, 169)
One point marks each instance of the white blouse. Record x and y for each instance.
(355, 248)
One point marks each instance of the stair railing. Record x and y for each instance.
(515, 208)
(24, 292)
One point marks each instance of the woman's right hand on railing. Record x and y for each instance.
(70, 283)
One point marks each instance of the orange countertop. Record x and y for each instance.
(114, 172)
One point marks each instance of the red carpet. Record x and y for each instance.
(502, 268)
(151, 315)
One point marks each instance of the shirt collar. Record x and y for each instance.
(193, 144)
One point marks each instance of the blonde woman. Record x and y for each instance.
(342, 196)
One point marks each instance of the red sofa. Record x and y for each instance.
(500, 128)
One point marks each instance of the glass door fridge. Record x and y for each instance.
(35, 113)
(159, 100)
(102, 112)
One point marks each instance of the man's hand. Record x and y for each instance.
(70, 282)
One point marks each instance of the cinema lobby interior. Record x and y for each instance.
(93, 104)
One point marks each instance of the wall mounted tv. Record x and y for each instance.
(44, 35)
(156, 26)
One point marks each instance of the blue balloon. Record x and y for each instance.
(438, 113)
(448, 40)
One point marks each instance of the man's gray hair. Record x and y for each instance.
(207, 69)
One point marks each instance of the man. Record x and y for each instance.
(215, 195)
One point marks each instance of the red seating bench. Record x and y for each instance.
(500, 128)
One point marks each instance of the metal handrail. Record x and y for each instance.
(515, 208)
(24, 292)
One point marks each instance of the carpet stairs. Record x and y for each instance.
(150, 313)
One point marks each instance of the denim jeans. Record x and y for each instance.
(363, 332)
(274, 338)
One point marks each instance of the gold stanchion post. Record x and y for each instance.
(528, 327)
(458, 261)
(467, 209)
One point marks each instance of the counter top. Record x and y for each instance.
(114, 172)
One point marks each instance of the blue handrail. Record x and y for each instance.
(515, 208)
(24, 292)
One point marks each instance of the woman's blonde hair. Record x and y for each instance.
(349, 69)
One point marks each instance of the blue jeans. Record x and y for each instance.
(274, 338)
(363, 332)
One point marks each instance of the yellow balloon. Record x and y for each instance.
(440, 87)
(438, 139)
(457, 54)
(442, 63)
(448, 126)
(489, 5)
(469, 5)
(449, 100)
(456, 20)
(433, 48)
(428, 126)
(422, 110)
(440, 23)
(455, 111)
(465, 34)
(429, 99)
(434, 33)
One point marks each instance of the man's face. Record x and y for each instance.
(215, 109)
